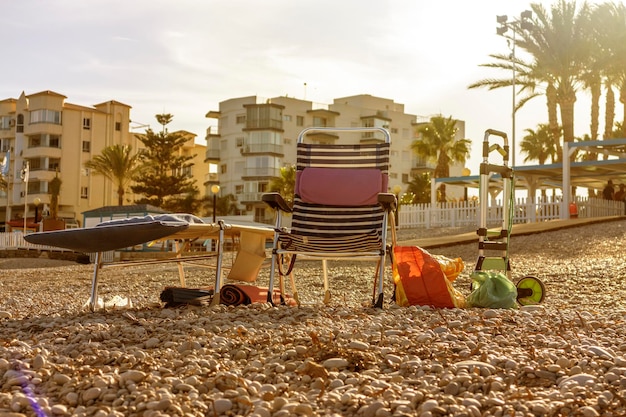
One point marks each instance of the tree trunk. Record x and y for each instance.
(622, 99)
(553, 119)
(595, 109)
(609, 111)
(567, 117)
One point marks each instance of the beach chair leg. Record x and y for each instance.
(218, 268)
(293, 289)
(281, 288)
(375, 283)
(270, 287)
(377, 300)
(181, 269)
(326, 287)
(93, 300)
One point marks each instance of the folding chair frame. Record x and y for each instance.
(386, 200)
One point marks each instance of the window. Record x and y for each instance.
(86, 146)
(20, 123)
(394, 130)
(45, 116)
(84, 192)
(86, 123)
(264, 116)
(299, 120)
(319, 121)
(287, 118)
(118, 126)
(241, 119)
(259, 213)
(5, 122)
(239, 142)
(34, 141)
(54, 141)
(35, 187)
(405, 178)
(54, 165)
(238, 189)
(223, 169)
(34, 164)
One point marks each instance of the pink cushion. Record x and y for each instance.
(340, 187)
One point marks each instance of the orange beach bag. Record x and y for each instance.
(424, 279)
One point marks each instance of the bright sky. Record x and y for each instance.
(183, 57)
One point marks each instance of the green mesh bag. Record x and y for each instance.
(492, 290)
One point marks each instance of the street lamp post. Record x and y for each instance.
(523, 23)
(214, 190)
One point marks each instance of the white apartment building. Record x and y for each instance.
(56, 137)
(251, 139)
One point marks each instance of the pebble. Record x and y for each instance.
(563, 357)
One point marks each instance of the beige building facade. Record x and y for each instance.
(55, 138)
(250, 139)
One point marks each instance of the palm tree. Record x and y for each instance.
(419, 189)
(226, 205)
(438, 143)
(610, 24)
(54, 188)
(530, 79)
(560, 46)
(539, 145)
(285, 184)
(118, 164)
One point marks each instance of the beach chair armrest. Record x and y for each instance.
(276, 202)
(388, 201)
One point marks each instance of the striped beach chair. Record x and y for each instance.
(340, 207)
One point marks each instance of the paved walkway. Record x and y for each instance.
(518, 230)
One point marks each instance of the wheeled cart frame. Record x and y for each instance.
(493, 246)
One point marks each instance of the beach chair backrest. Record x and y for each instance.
(337, 187)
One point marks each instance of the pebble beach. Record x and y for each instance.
(564, 357)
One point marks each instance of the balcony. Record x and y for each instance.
(211, 178)
(264, 149)
(419, 166)
(43, 128)
(212, 155)
(43, 174)
(41, 152)
(7, 133)
(263, 124)
(372, 137)
(249, 198)
(254, 173)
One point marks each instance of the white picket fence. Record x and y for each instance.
(453, 214)
(15, 240)
(466, 213)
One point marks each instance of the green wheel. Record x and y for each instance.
(530, 290)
